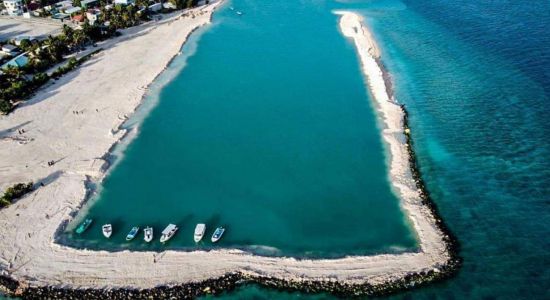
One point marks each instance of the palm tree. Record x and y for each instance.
(55, 48)
(68, 32)
(13, 74)
(79, 38)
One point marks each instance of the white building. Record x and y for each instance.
(17, 40)
(124, 2)
(14, 7)
(10, 49)
(72, 10)
(64, 4)
(89, 3)
(155, 7)
(93, 15)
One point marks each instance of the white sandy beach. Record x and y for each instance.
(104, 91)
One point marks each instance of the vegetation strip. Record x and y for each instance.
(19, 83)
(15, 192)
(73, 63)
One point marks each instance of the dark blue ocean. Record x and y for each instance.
(475, 76)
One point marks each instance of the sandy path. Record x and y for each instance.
(13, 26)
(111, 86)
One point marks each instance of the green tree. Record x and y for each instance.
(55, 48)
(5, 106)
(25, 44)
(39, 79)
(177, 3)
(15, 192)
(79, 38)
(13, 74)
(68, 33)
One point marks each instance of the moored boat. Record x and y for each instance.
(85, 225)
(148, 234)
(168, 233)
(132, 234)
(199, 232)
(107, 230)
(217, 234)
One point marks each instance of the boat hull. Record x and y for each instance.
(168, 233)
(217, 234)
(84, 226)
(199, 232)
(148, 235)
(132, 234)
(107, 230)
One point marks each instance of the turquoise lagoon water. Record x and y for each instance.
(268, 131)
(475, 76)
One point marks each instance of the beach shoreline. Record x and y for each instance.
(31, 262)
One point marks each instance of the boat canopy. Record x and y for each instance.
(169, 228)
(200, 228)
(219, 231)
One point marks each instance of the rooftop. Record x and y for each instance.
(18, 61)
(8, 48)
(78, 18)
(73, 10)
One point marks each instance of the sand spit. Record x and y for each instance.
(76, 121)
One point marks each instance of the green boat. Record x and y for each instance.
(84, 226)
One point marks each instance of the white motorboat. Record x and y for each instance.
(199, 232)
(148, 234)
(107, 230)
(168, 233)
(132, 234)
(217, 234)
